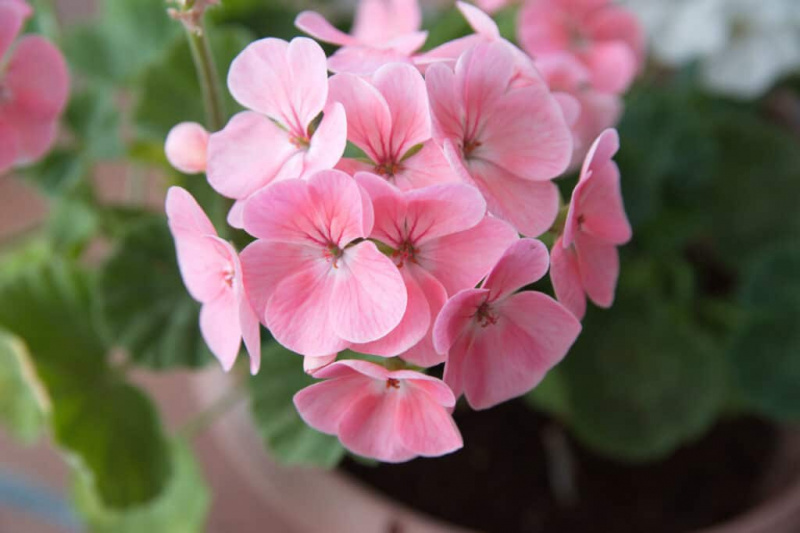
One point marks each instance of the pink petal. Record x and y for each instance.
(323, 405)
(526, 261)
(186, 147)
(447, 109)
(238, 163)
(316, 26)
(541, 28)
(566, 278)
(599, 111)
(427, 167)
(598, 262)
(479, 21)
(434, 387)
(342, 205)
(441, 210)
(507, 359)
(219, 324)
(615, 23)
(311, 365)
(328, 142)
(461, 260)
(30, 137)
(186, 215)
(570, 108)
(613, 66)
(12, 18)
(370, 429)
(423, 353)
(425, 427)
(403, 90)
(482, 77)
(412, 328)
(285, 81)
(530, 206)
(378, 21)
(369, 298)
(409, 43)
(8, 147)
(456, 317)
(364, 60)
(369, 121)
(526, 134)
(390, 209)
(251, 328)
(354, 367)
(266, 264)
(299, 313)
(37, 77)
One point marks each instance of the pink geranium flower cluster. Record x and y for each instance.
(419, 247)
(34, 86)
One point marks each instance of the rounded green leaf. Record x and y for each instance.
(23, 400)
(143, 303)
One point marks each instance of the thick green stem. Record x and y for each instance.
(208, 77)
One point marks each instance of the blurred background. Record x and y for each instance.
(682, 401)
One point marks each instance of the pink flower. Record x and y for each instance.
(607, 38)
(585, 257)
(384, 31)
(316, 289)
(441, 242)
(213, 276)
(509, 142)
(502, 344)
(34, 85)
(286, 87)
(492, 6)
(389, 119)
(186, 147)
(598, 111)
(389, 416)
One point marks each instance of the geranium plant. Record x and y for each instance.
(411, 221)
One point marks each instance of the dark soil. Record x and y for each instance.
(499, 481)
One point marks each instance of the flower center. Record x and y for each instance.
(332, 253)
(406, 252)
(469, 147)
(227, 277)
(301, 143)
(392, 383)
(387, 169)
(485, 316)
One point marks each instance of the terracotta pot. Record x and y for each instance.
(313, 500)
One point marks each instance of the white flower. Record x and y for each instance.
(743, 46)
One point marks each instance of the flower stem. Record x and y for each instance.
(208, 76)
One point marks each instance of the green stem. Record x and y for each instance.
(208, 77)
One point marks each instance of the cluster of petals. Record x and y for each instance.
(384, 31)
(284, 86)
(501, 342)
(392, 416)
(585, 257)
(34, 85)
(381, 252)
(605, 37)
(212, 273)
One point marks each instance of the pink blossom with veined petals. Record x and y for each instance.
(384, 31)
(187, 147)
(442, 242)
(607, 38)
(213, 275)
(509, 142)
(389, 416)
(387, 118)
(585, 257)
(34, 85)
(286, 87)
(316, 289)
(598, 111)
(500, 342)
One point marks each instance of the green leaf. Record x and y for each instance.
(129, 36)
(274, 18)
(181, 507)
(766, 351)
(143, 303)
(104, 424)
(94, 119)
(170, 91)
(72, 224)
(287, 437)
(61, 171)
(23, 401)
(551, 395)
(641, 380)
